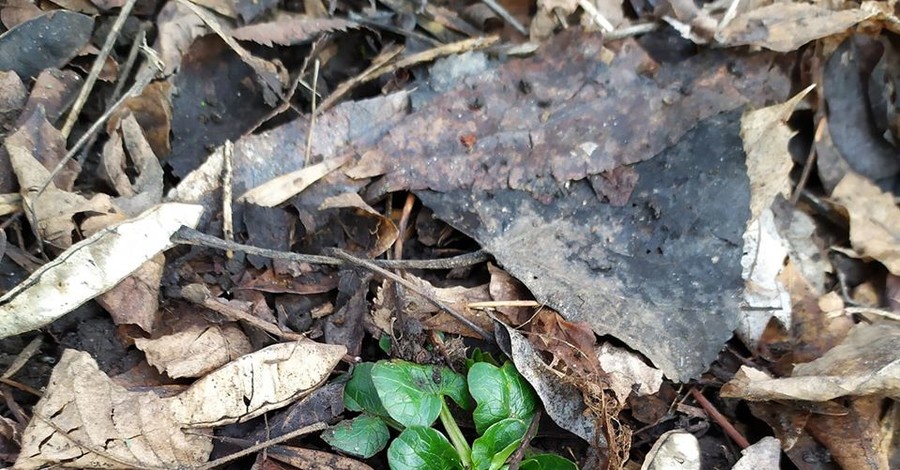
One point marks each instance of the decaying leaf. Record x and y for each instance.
(562, 401)
(661, 273)
(49, 40)
(98, 424)
(284, 187)
(866, 363)
(91, 267)
(256, 383)
(874, 219)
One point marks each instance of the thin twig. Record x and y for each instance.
(227, 212)
(720, 419)
(503, 13)
(810, 161)
(200, 295)
(312, 115)
(504, 303)
(124, 73)
(24, 355)
(595, 15)
(418, 290)
(189, 236)
(262, 445)
(516, 458)
(629, 31)
(97, 67)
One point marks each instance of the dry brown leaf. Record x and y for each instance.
(864, 436)
(458, 297)
(47, 145)
(674, 449)
(281, 188)
(765, 133)
(288, 30)
(866, 363)
(256, 383)
(874, 220)
(505, 287)
(379, 232)
(54, 208)
(196, 349)
(563, 402)
(92, 415)
(784, 27)
(572, 343)
(153, 111)
(135, 300)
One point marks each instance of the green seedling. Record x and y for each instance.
(410, 398)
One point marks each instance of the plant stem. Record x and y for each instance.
(455, 435)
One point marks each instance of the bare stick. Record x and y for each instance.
(595, 15)
(262, 445)
(189, 236)
(312, 114)
(200, 295)
(503, 13)
(403, 282)
(124, 73)
(227, 214)
(98, 66)
(720, 419)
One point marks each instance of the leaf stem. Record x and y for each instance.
(455, 435)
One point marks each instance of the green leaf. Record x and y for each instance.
(501, 392)
(480, 356)
(363, 436)
(384, 343)
(411, 393)
(420, 447)
(547, 462)
(360, 394)
(498, 438)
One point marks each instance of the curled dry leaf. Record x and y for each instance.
(195, 350)
(256, 383)
(91, 267)
(866, 363)
(135, 300)
(874, 220)
(374, 225)
(765, 133)
(98, 424)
